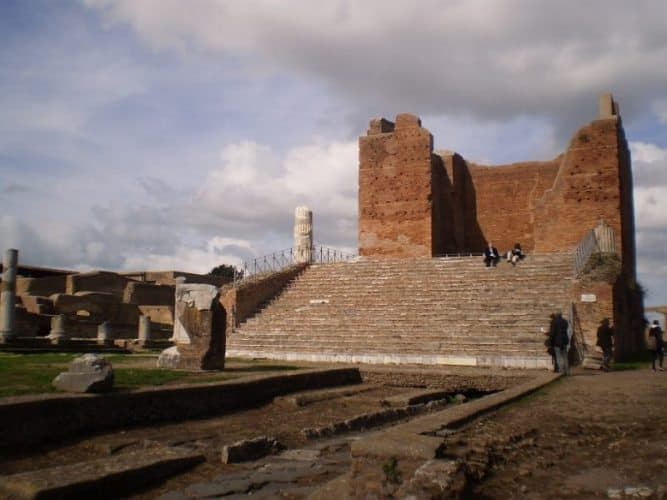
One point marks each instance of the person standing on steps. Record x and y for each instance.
(491, 255)
(560, 342)
(605, 341)
(549, 342)
(659, 352)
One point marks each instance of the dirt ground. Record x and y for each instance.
(591, 435)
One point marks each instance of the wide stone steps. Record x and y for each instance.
(420, 310)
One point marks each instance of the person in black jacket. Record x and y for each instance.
(560, 341)
(605, 341)
(491, 255)
(659, 352)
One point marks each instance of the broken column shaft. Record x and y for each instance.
(8, 295)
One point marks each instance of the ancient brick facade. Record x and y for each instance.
(420, 203)
(416, 202)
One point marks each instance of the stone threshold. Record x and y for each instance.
(398, 359)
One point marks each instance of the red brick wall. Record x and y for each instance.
(504, 198)
(586, 190)
(415, 203)
(395, 189)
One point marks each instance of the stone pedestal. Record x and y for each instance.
(199, 327)
(303, 234)
(57, 335)
(144, 330)
(8, 295)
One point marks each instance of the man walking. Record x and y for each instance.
(605, 342)
(659, 352)
(560, 342)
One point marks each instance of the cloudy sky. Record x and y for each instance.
(181, 134)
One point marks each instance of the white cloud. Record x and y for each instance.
(660, 110)
(643, 152)
(254, 184)
(489, 58)
(184, 258)
(651, 207)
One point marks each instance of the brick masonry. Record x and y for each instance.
(417, 202)
(414, 202)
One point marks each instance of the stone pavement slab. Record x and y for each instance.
(107, 477)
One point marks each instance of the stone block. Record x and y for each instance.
(87, 373)
(169, 358)
(199, 327)
(36, 304)
(250, 449)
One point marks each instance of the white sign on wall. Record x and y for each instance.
(588, 297)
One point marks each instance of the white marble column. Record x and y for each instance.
(144, 329)
(303, 234)
(103, 334)
(8, 295)
(57, 335)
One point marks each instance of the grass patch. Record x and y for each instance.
(129, 378)
(32, 373)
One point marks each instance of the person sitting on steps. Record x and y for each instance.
(491, 255)
(515, 255)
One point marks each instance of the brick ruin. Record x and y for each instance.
(417, 202)
(83, 302)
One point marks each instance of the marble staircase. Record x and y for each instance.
(451, 311)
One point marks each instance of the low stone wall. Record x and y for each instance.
(27, 421)
(148, 294)
(242, 302)
(41, 286)
(97, 281)
(163, 315)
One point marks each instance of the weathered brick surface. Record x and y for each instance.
(415, 203)
(499, 202)
(395, 189)
(586, 190)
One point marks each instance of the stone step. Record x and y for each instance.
(414, 308)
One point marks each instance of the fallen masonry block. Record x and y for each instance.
(107, 477)
(87, 373)
(250, 449)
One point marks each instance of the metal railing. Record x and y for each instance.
(599, 240)
(282, 259)
(586, 247)
(578, 348)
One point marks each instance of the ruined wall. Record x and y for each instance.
(148, 294)
(169, 277)
(395, 195)
(242, 301)
(586, 190)
(41, 286)
(504, 199)
(97, 281)
(415, 203)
